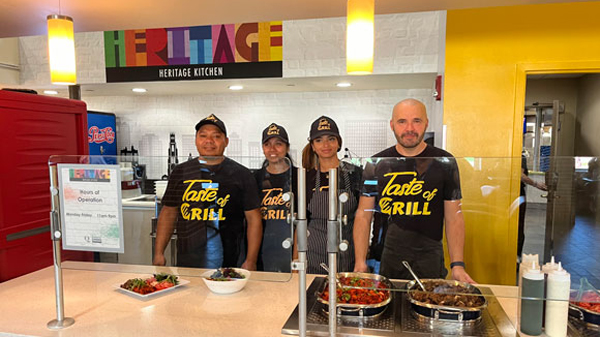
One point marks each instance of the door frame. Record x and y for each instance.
(521, 72)
(524, 69)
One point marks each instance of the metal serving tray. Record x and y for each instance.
(399, 319)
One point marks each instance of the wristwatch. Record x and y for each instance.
(457, 264)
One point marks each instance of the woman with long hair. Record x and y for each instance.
(318, 157)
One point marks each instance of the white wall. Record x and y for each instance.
(404, 43)
(362, 117)
(587, 142)
(89, 51)
(9, 57)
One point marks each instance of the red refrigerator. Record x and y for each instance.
(33, 128)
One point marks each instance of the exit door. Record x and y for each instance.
(542, 141)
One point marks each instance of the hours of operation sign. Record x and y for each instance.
(90, 205)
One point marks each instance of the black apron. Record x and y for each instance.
(425, 255)
(272, 256)
(318, 207)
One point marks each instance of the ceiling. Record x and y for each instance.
(28, 17)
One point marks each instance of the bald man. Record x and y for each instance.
(416, 188)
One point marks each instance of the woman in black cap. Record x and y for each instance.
(318, 157)
(276, 177)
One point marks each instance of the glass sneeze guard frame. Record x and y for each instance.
(490, 204)
(142, 203)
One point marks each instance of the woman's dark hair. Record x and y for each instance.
(309, 156)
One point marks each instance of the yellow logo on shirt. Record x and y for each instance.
(272, 204)
(414, 187)
(202, 191)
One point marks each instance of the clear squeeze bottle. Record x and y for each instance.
(532, 303)
(547, 268)
(558, 289)
(526, 263)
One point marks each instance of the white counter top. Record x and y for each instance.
(261, 309)
(28, 304)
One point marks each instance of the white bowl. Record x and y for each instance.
(226, 287)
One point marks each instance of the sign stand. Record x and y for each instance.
(61, 321)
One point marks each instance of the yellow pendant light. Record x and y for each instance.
(61, 47)
(360, 36)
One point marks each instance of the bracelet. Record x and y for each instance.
(457, 264)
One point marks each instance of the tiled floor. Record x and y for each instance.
(577, 247)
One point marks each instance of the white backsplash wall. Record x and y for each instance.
(362, 116)
(404, 43)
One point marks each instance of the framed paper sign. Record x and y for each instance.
(90, 207)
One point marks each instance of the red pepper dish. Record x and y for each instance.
(356, 290)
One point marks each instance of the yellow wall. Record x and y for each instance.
(489, 52)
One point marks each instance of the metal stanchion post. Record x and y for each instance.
(61, 321)
(301, 240)
(332, 250)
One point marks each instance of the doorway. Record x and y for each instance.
(558, 148)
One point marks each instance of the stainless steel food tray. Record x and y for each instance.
(398, 320)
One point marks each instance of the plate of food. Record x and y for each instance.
(150, 286)
(226, 280)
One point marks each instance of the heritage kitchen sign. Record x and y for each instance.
(247, 50)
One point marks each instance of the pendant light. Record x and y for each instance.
(360, 36)
(61, 49)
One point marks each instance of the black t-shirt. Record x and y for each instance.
(271, 188)
(410, 191)
(211, 196)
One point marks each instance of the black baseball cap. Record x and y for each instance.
(273, 131)
(214, 120)
(323, 126)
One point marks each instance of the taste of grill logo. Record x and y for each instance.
(394, 189)
(273, 130)
(273, 207)
(324, 125)
(207, 195)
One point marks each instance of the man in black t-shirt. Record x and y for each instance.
(416, 188)
(208, 198)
